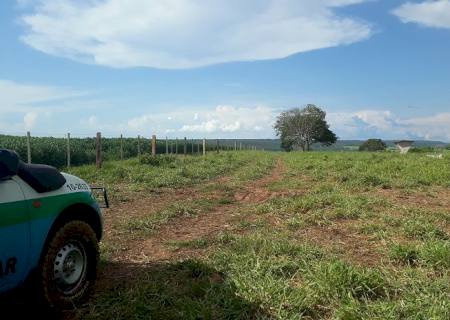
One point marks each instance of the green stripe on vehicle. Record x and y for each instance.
(16, 212)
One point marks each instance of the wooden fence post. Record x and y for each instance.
(139, 146)
(153, 145)
(204, 147)
(185, 145)
(192, 146)
(240, 145)
(167, 145)
(28, 147)
(68, 150)
(217, 145)
(121, 147)
(98, 151)
(176, 146)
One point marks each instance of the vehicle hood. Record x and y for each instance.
(75, 184)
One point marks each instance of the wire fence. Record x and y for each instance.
(68, 150)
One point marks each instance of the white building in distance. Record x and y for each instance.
(404, 145)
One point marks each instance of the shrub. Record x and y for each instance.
(157, 161)
(422, 150)
(373, 145)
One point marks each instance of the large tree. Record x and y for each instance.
(300, 128)
(373, 145)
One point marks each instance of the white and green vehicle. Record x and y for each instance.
(50, 227)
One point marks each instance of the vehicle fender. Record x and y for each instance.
(47, 209)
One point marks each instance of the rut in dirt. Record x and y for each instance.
(155, 248)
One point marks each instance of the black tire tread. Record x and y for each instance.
(79, 230)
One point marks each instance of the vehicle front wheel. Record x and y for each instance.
(69, 265)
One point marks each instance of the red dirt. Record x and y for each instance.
(343, 238)
(434, 199)
(155, 248)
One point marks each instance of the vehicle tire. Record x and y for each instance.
(69, 265)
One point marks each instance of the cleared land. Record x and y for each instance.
(256, 235)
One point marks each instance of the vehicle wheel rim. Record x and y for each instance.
(70, 267)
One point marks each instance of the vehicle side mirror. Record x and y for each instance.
(9, 164)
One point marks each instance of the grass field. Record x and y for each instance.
(254, 235)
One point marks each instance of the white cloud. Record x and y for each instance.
(257, 122)
(187, 33)
(434, 13)
(385, 124)
(204, 127)
(431, 127)
(30, 119)
(222, 120)
(139, 123)
(93, 124)
(92, 121)
(232, 119)
(378, 119)
(23, 104)
(37, 107)
(23, 97)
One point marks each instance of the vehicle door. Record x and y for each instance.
(14, 234)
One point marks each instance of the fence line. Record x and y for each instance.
(69, 151)
(154, 145)
(139, 147)
(98, 151)
(29, 147)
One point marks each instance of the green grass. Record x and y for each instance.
(318, 207)
(147, 224)
(389, 257)
(182, 171)
(367, 170)
(262, 277)
(432, 253)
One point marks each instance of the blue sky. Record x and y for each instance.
(224, 68)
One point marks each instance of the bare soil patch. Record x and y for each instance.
(343, 238)
(436, 198)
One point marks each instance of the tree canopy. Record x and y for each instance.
(300, 128)
(373, 145)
